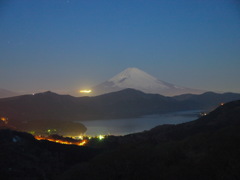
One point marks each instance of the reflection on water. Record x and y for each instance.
(132, 125)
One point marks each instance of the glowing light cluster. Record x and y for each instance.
(85, 91)
(79, 140)
(82, 137)
(4, 119)
(100, 137)
(79, 143)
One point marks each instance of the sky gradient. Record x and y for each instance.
(67, 45)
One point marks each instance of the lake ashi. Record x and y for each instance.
(133, 125)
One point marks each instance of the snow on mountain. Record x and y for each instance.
(137, 79)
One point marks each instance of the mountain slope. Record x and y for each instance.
(54, 111)
(208, 99)
(23, 157)
(207, 148)
(137, 79)
(133, 103)
(6, 93)
(41, 112)
(226, 115)
(50, 106)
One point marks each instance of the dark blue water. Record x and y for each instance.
(133, 125)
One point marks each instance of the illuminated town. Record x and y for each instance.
(77, 140)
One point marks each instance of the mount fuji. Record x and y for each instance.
(135, 78)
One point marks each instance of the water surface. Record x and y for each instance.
(133, 125)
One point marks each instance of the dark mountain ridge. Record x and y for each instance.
(42, 112)
(208, 99)
(207, 148)
(224, 116)
(23, 157)
(6, 93)
(122, 104)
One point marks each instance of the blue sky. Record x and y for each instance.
(66, 45)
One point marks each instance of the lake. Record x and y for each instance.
(133, 125)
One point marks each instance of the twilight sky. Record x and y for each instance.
(66, 45)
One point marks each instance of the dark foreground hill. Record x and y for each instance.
(208, 148)
(24, 158)
(50, 110)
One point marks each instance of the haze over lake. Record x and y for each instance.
(133, 125)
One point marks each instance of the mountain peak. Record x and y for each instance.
(135, 78)
(132, 75)
(47, 93)
(133, 70)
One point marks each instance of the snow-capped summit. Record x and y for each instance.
(137, 79)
